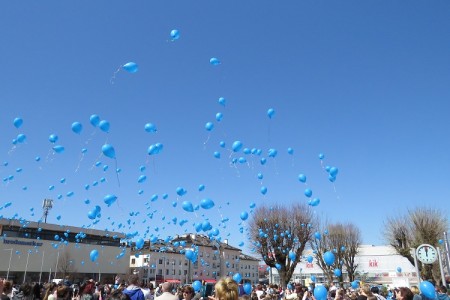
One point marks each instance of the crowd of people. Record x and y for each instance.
(225, 289)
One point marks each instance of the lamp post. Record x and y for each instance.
(26, 267)
(42, 265)
(9, 265)
(47, 204)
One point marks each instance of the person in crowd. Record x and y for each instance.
(403, 293)
(6, 290)
(133, 290)
(62, 293)
(188, 292)
(148, 291)
(118, 295)
(225, 289)
(442, 293)
(166, 289)
(364, 292)
(87, 290)
(259, 291)
(376, 291)
(416, 292)
(50, 291)
(25, 293)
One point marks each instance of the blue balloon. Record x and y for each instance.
(196, 285)
(53, 138)
(77, 127)
(58, 149)
(308, 193)
(317, 236)
(181, 191)
(207, 203)
(263, 190)
(175, 34)
(18, 122)
(270, 113)
(187, 206)
(328, 257)
(314, 202)
(355, 284)
(290, 151)
(247, 288)
(292, 256)
(244, 215)
(337, 272)
(130, 67)
(209, 126)
(94, 255)
(321, 156)
(237, 277)
(273, 152)
(155, 149)
(427, 289)
(309, 259)
(109, 199)
(214, 61)
(302, 178)
(216, 154)
(399, 270)
(320, 292)
(94, 120)
(222, 101)
(21, 138)
(104, 126)
(201, 187)
(142, 178)
(139, 243)
(219, 116)
(237, 145)
(108, 151)
(333, 171)
(149, 127)
(206, 226)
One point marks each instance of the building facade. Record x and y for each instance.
(32, 251)
(166, 261)
(376, 264)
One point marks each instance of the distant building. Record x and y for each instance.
(42, 252)
(376, 264)
(160, 261)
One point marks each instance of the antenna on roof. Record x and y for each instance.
(47, 204)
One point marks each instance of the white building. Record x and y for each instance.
(41, 252)
(162, 261)
(376, 264)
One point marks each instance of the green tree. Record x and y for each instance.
(280, 234)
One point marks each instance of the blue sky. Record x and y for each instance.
(366, 83)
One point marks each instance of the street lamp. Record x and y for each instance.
(9, 265)
(47, 204)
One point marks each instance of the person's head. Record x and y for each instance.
(365, 289)
(118, 295)
(442, 289)
(167, 287)
(7, 287)
(403, 293)
(372, 297)
(188, 292)
(62, 292)
(25, 289)
(415, 290)
(226, 289)
(375, 290)
(133, 279)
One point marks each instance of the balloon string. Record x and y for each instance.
(79, 162)
(117, 173)
(114, 75)
(206, 142)
(12, 150)
(98, 158)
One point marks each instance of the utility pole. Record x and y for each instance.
(47, 205)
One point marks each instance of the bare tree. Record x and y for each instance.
(66, 265)
(415, 227)
(280, 235)
(343, 241)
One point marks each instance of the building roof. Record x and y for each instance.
(247, 257)
(54, 227)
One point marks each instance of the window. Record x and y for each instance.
(146, 260)
(160, 261)
(179, 272)
(185, 272)
(167, 271)
(133, 261)
(173, 271)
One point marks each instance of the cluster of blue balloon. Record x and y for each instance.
(427, 289)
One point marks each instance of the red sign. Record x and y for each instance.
(373, 263)
(309, 265)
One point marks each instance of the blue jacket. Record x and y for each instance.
(134, 292)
